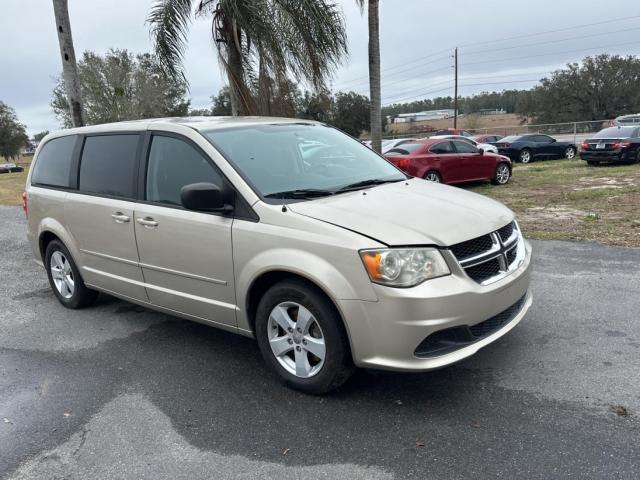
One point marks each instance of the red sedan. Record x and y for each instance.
(450, 161)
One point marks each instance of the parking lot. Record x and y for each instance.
(117, 391)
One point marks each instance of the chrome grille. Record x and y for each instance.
(506, 232)
(484, 271)
(473, 247)
(488, 258)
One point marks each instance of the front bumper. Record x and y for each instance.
(385, 334)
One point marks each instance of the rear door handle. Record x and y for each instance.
(148, 222)
(120, 217)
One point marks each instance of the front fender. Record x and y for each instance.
(313, 267)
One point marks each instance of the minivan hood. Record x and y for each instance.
(415, 212)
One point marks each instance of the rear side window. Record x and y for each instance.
(442, 147)
(174, 163)
(53, 166)
(108, 165)
(464, 147)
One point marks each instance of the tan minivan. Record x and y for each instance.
(288, 231)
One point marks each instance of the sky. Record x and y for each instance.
(502, 44)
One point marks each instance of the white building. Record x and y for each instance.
(420, 116)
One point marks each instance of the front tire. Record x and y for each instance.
(64, 277)
(502, 175)
(302, 338)
(525, 156)
(570, 153)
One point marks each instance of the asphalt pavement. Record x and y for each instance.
(116, 391)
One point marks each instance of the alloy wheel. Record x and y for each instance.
(62, 274)
(525, 156)
(296, 339)
(570, 153)
(502, 174)
(432, 177)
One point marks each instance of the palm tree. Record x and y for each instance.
(261, 44)
(374, 72)
(70, 75)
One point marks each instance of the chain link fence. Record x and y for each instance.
(575, 132)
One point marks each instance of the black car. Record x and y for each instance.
(526, 148)
(10, 167)
(613, 144)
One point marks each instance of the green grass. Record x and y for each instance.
(11, 188)
(569, 200)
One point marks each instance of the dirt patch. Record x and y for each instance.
(605, 182)
(568, 200)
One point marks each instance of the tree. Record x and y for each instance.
(599, 88)
(69, 67)
(13, 135)
(39, 136)
(350, 113)
(373, 16)
(258, 41)
(315, 106)
(222, 102)
(122, 86)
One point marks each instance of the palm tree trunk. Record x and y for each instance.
(374, 75)
(264, 96)
(69, 67)
(242, 101)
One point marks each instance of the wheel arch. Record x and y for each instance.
(51, 229)
(261, 284)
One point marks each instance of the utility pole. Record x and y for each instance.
(70, 75)
(455, 95)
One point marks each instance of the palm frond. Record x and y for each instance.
(169, 24)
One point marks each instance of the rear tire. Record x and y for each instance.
(302, 339)
(64, 277)
(433, 176)
(502, 175)
(570, 153)
(525, 156)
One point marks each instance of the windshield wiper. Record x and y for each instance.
(301, 193)
(366, 183)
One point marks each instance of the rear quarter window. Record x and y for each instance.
(108, 165)
(53, 165)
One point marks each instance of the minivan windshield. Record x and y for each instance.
(301, 160)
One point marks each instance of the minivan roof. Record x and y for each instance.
(197, 123)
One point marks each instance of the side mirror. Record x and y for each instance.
(205, 197)
(481, 151)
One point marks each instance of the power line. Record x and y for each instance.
(552, 41)
(404, 93)
(550, 54)
(418, 59)
(555, 30)
(466, 85)
(396, 72)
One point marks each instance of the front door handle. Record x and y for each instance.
(120, 217)
(148, 222)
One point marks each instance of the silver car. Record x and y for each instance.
(330, 257)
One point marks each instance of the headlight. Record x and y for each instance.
(404, 267)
